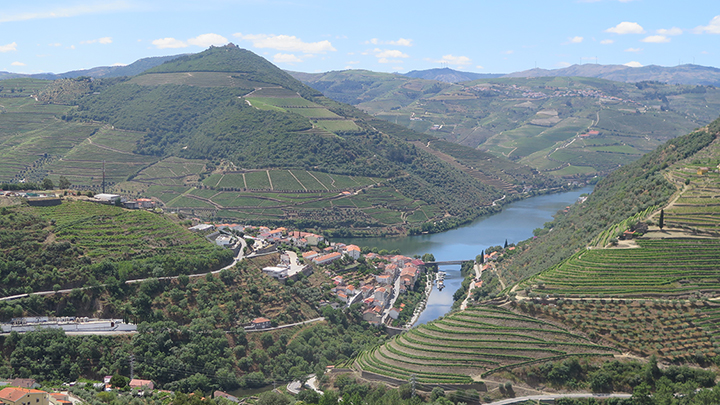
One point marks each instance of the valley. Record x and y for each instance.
(617, 293)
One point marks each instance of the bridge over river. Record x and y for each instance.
(447, 262)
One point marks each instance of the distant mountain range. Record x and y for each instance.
(448, 75)
(683, 74)
(132, 69)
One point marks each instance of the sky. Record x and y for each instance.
(386, 36)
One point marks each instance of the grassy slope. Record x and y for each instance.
(624, 193)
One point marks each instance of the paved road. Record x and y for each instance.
(557, 396)
(289, 325)
(238, 258)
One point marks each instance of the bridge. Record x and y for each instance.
(448, 262)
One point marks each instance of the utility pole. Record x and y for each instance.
(103, 182)
(132, 366)
(413, 382)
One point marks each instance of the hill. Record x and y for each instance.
(570, 127)
(225, 133)
(132, 69)
(682, 74)
(81, 243)
(449, 75)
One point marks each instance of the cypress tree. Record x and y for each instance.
(661, 223)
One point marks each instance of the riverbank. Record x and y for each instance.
(514, 223)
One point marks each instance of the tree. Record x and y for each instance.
(64, 183)
(480, 259)
(118, 381)
(506, 244)
(47, 184)
(661, 223)
(273, 398)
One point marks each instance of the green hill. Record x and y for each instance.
(81, 243)
(574, 127)
(175, 132)
(473, 344)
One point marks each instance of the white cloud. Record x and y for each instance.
(103, 40)
(353, 62)
(453, 60)
(286, 43)
(607, 41)
(286, 58)
(633, 64)
(399, 42)
(672, 31)
(96, 7)
(626, 27)
(17, 64)
(119, 64)
(712, 28)
(8, 47)
(562, 64)
(479, 67)
(575, 40)
(390, 53)
(55, 44)
(164, 43)
(510, 52)
(656, 39)
(633, 50)
(206, 40)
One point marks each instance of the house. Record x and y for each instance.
(337, 280)
(342, 296)
(372, 315)
(132, 205)
(309, 255)
(107, 198)
(224, 240)
(278, 272)
(328, 258)
(261, 323)
(313, 239)
(24, 383)
(23, 396)
(702, 170)
(201, 227)
(145, 385)
(394, 313)
(145, 203)
(366, 290)
(220, 394)
(106, 379)
(58, 398)
(383, 279)
(353, 251)
(299, 242)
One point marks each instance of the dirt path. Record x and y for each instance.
(316, 179)
(296, 179)
(269, 179)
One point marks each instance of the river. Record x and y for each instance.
(515, 223)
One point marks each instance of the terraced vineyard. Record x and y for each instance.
(673, 330)
(284, 100)
(664, 267)
(473, 344)
(111, 232)
(698, 207)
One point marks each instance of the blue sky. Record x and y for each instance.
(389, 36)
